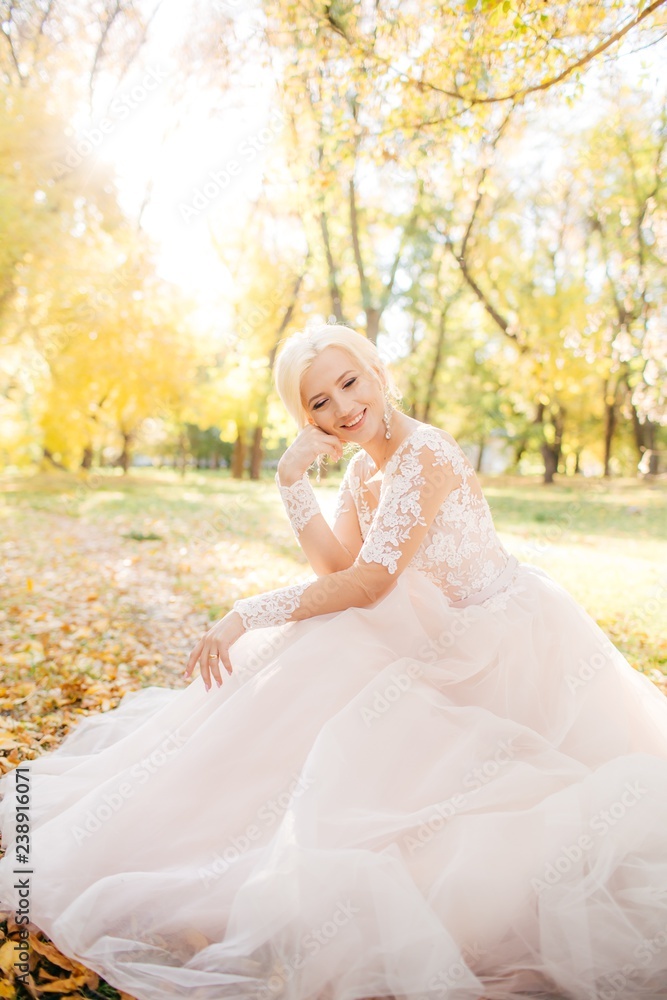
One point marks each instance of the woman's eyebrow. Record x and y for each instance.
(339, 379)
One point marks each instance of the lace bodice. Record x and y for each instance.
(454, 544)
(461, 552)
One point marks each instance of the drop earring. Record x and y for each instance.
(386, 418)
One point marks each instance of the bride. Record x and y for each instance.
(421, 772)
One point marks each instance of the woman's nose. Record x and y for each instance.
(340, 405)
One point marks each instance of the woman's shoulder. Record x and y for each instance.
(422, 432)
(436, 440)
(361, 468)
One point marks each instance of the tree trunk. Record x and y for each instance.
(373, 323)
(478, 464)
(644, 435)
(182, 454)
(551, 452)
(334, 289)
(238, 455)
(125, 456)
(550, 456)
(519, 448)
(256, 454)
(609, 426)
(437, 360)
(87, 457)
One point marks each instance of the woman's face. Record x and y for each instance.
(335, 392)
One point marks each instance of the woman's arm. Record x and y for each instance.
(412, 498)
(406, 511)
(328, 550)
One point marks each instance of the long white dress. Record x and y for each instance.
(459, 790)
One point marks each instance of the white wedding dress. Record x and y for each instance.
(458, 790)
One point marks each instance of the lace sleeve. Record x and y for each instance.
(409, 502)
(300, 502)
(271, 608)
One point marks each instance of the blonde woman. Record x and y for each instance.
(422, 772)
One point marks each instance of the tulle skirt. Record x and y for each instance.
(413, 800)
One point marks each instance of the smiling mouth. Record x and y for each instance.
(355, 423)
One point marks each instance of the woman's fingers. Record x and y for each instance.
(214, 663)
(209, 663)
(194, 656)
(226, 662)
(213, 650)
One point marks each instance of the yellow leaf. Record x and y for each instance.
(50, 952)
(28, 585)
(8, 958)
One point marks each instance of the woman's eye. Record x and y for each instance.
(323, 401)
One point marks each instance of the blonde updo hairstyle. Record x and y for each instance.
(300, 350)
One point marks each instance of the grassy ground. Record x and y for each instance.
(107, 582)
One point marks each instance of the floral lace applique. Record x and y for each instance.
(300, 502)
(461, 552)
(274, 607)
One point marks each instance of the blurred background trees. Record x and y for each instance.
(479, 187)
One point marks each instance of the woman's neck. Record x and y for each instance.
(381, 451)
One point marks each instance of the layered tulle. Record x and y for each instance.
(410, 800)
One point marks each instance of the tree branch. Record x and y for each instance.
(521, 93)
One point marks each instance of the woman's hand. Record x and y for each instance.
(309, 444)
(214, 648)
